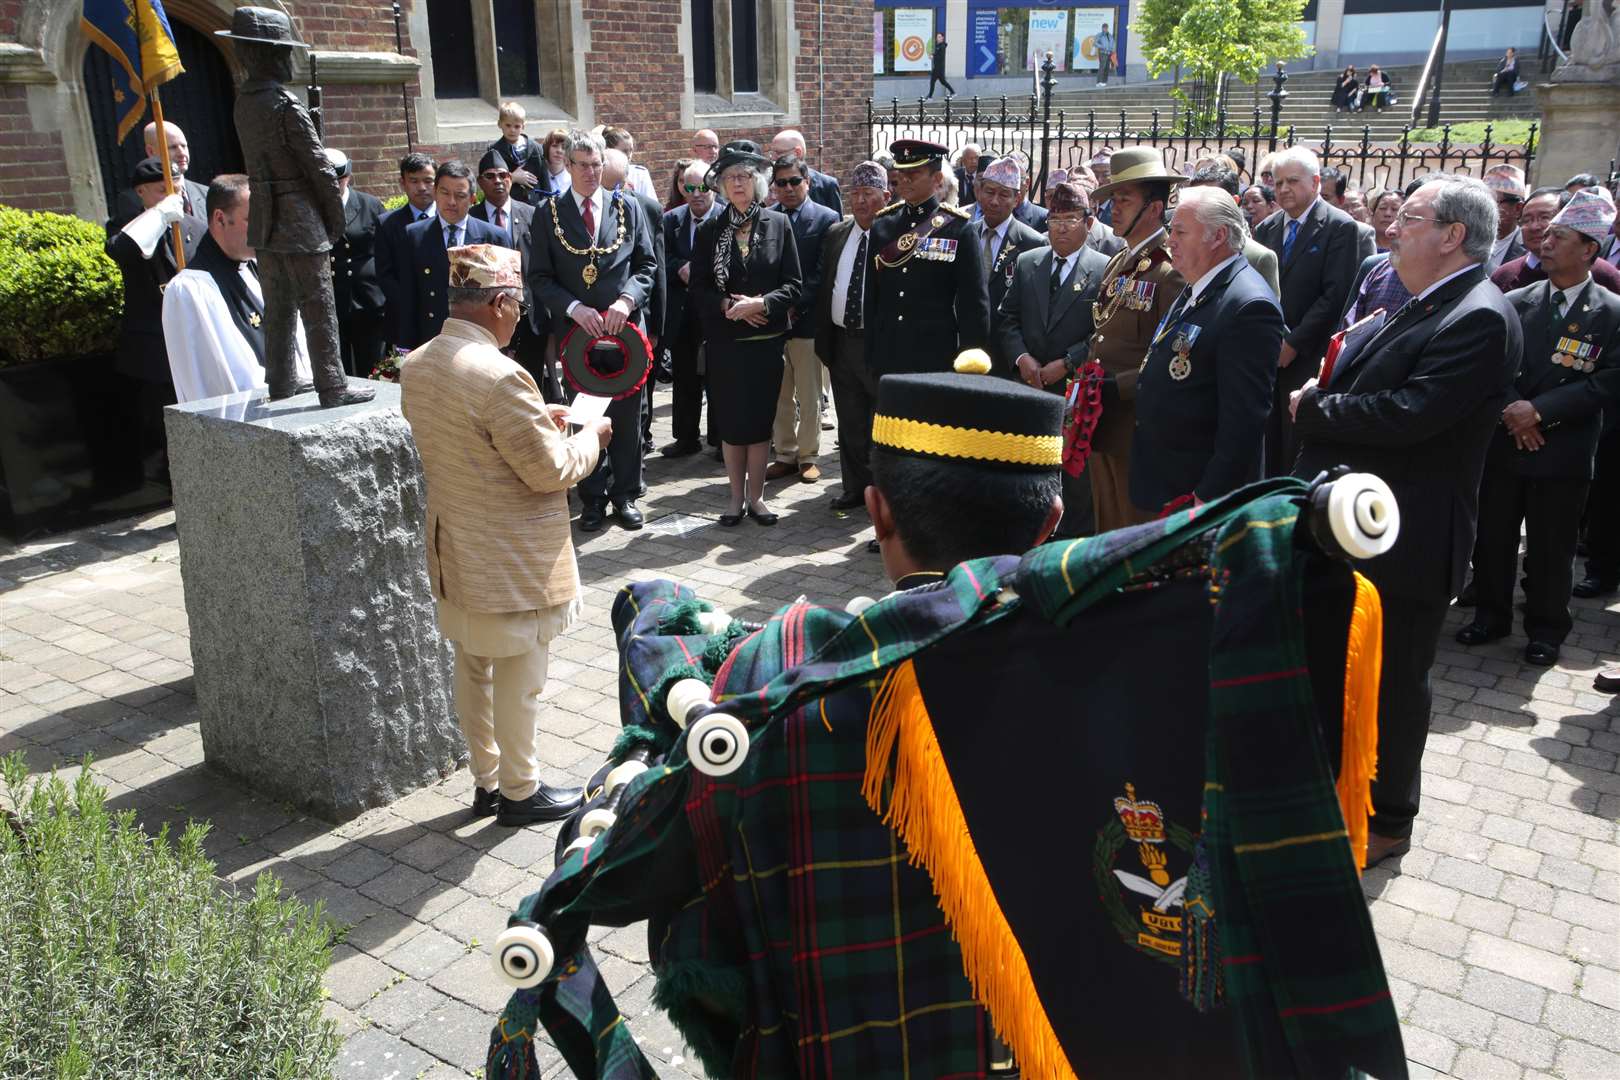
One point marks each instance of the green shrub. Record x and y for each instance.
(394, 202)
(120, 956)
(60, 295)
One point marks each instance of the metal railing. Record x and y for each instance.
(1424, 85)
(1551, 45)
(1063, 139)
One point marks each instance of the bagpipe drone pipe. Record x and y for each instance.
(1114, 792)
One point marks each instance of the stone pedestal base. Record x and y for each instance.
(1577, 130)
(320, 674)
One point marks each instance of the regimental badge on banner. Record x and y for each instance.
(1578, 355)
(937, 248)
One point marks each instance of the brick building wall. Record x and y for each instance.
(633, 76)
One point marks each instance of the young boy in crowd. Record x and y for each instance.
(521, 153)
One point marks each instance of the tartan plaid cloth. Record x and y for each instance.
(790, 935)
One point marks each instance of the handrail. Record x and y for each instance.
(1428, 69)
(1552, 37)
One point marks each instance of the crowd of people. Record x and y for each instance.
(1453, 336)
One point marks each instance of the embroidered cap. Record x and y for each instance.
(1588, 214)
(1067, 197)
(969, 419)
(485, 266)
(1508, 179)
(1006, 171)
(871, 175)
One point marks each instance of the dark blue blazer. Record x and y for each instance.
(810, 224)
(679, 242)
(824, 191)
(1202, 434)
(392, 260)
(425, 302)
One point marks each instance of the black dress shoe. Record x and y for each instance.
(848, 502)
(731, 521)
(872, 546)
(767, 518)
(1478, 634)
(1589, 586)
(1541, 654)
(1466, 597)
(1380, 848)
(592, 518)
(1607, 681)
(353, 395)
(546, 804)
(681, 448)
(629, 516)
(485, 803)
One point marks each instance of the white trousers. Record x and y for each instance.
(501, 661)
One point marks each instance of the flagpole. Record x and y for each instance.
(163, 147)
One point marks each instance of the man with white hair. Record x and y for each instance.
(967, 172)
(1417, 404)
(1205, 388)
(823, 188)
(1319, 249)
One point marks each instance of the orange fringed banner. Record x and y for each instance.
(1358, 758)
(924, 811)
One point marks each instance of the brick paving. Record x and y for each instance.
(1500, 930)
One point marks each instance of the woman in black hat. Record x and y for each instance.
(745, 279)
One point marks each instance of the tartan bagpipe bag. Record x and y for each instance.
(1092, 790)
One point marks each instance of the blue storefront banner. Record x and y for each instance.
(982, 41)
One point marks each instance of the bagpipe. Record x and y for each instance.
(1106, 802)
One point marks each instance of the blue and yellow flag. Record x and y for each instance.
(136, 34)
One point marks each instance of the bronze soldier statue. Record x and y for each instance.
(296, 213)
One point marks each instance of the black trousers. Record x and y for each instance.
(854, 389)
(1282, 441)
(618, 475)
(686, 387)
(1411, 636)
(1550, 508)
(940, 79)
(360, 336)
(1504, 81)
(531, 349)
(1603, 511)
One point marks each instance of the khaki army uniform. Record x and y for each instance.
(1137, 290)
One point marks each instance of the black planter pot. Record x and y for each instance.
(79, 444)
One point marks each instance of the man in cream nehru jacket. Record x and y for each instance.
(499, 462)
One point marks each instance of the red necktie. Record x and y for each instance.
(588, 212)
(500, 219)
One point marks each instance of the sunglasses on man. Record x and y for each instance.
(694, 189)
(788, 181)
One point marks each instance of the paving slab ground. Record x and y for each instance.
(1500, 930)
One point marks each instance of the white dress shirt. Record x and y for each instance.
(1573, 293)
(1499, 250)
(1448, 277)
(598, 200)
(1068, 262)
(846, 268)
(998, 236)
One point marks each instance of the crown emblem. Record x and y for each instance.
(1143, 820)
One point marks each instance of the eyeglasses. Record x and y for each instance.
(522, 305)
(586, 166)
(694, 189)
(788, 181)
(1069, 222)
(1406, 219)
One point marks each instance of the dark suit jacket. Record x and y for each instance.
(652, 215)
(832, 250)
(824, 190)
(426, 301)
(354, 261)
(128, 204)
(810, 225)
(772, 272)
(140, 352)
(393, 262)
(1029, 321)
(520, 224)
(1570, 402)
(1519, 273)
(678, 247)
(1418, 406)
(1019, 239)
(1101, 238)
(558, 274)
(1031, 215)
(964, 186)
(1316, 277)
(1203, 434)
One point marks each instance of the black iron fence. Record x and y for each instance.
(1063, 139)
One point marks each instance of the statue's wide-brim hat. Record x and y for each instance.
(1133, 166)
(613, 365)
(261, 26)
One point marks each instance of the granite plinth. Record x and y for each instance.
(320, 674)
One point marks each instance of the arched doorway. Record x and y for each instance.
(200, 101)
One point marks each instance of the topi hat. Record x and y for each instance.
(871, 175)
(261, 26)
(1066, 197)
(1133, 166)
(1005, 171)
(485, 266)
(1587, 214)
(967, 419)
(1508, 179)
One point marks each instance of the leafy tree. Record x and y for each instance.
(1206, 39)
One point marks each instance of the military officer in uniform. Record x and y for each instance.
(1137, 290)
(1540, 463)
(355, 286)
(929, 300)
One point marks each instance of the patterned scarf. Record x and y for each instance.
(722, 250)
